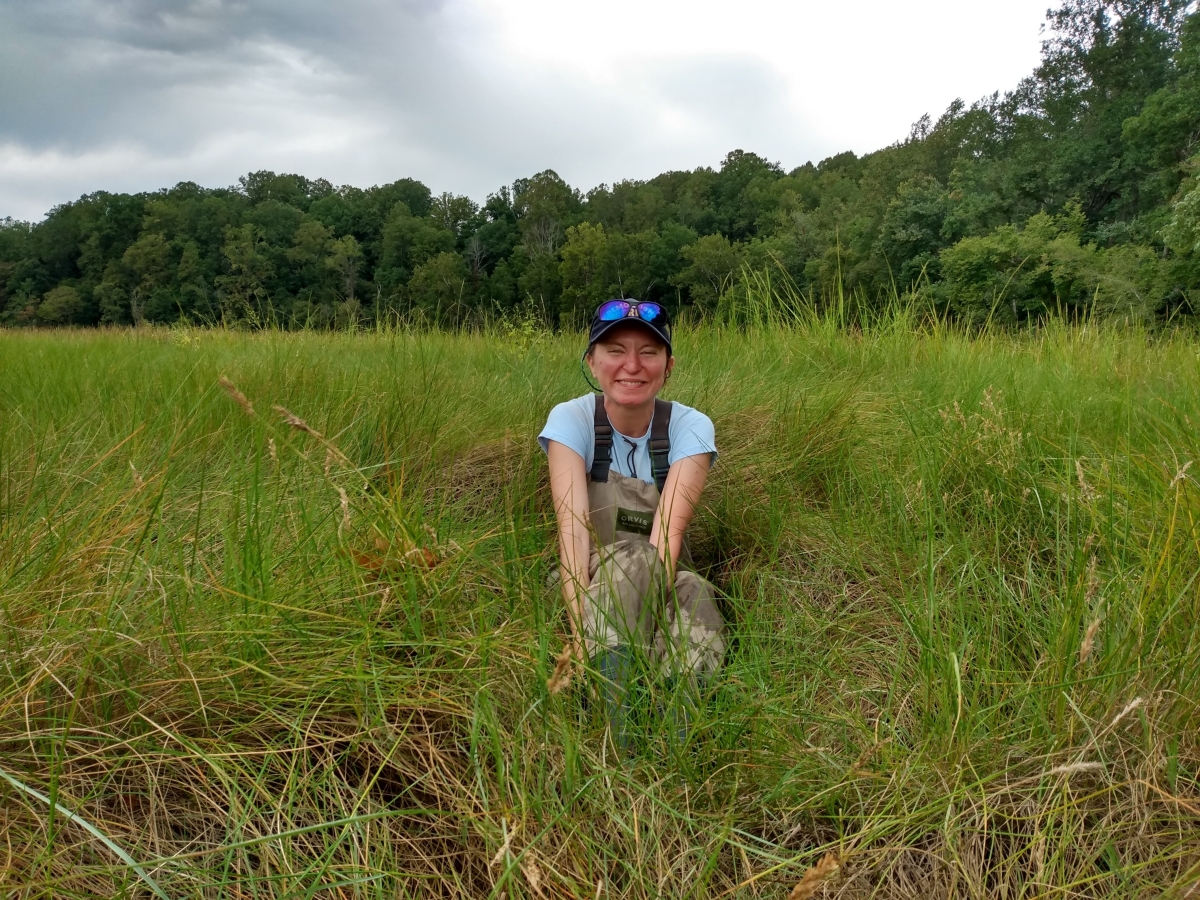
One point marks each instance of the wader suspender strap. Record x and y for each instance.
(602, 451)
(660, 443)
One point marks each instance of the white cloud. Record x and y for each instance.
(469, 94)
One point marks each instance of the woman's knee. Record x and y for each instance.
(616, 606)
(630, 568)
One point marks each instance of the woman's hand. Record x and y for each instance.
(568, 486)
(681, 493)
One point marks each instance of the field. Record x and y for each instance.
(297, 644)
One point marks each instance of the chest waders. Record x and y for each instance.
(633, 619)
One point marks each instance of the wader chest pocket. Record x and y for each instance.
(633, 521)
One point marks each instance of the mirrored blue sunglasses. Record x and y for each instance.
(645, 310)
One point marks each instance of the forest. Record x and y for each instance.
(1075, 194)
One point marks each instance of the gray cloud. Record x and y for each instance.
(140, 94)
(76, 72)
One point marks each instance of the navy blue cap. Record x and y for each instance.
(659, 325)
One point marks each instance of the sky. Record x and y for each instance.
(467, 95)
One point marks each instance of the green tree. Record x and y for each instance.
(61, 306)
(14, 240)
(545, 205)
(244, 292)
(306, 259)
(913, 231)
(1025, 274)
(539, 283)
(630, 264)
(665, 260)
(584, 266)
(597, 266)
(713, 266)
(408, 242)
(1101, 62)
(1166, 131)
(345, 258)
(453, 213)
(112, 295)
(192, 278)
(149, 260)
(438, 288)
(292, 190)
(1182, 232)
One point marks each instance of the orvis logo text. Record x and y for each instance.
(634, 521)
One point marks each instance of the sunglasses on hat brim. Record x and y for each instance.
(646, 310)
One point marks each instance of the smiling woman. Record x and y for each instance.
(626, 472)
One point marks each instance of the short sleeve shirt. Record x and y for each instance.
(573, 425)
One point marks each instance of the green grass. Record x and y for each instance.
(916, 531)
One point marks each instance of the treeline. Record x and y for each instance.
(1076, 193)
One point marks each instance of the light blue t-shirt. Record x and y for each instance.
(573, 425)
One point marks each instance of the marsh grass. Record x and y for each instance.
(306, 652)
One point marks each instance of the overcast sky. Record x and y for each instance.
(130, 95)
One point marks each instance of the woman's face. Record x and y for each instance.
(630, 365)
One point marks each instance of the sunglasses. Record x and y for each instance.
(645, 310)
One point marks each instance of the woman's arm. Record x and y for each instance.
(681, 493)
(568, 487)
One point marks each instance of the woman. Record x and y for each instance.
(626, 472)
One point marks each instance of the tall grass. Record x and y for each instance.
(262, 659)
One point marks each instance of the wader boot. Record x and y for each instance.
(615, 670)
(631, 616)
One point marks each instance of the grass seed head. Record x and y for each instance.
(561, 677)
(238, 397)
(533, 875)
(1089, 640)
(866, 756)
(812, 880)
(504, 848)
(1073, 768)
(1130, 707)
(345, 508)
(1181, 474)
(296, 422)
